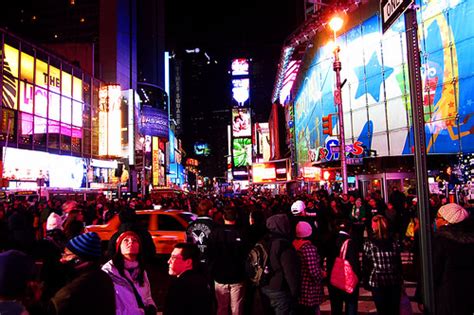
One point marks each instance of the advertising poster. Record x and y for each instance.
(240, 66)
(241, 123)
(154, 122)
(242, 152)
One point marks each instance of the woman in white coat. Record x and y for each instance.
(126, 268)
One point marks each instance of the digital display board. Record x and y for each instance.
(241, 122)
(202, 148)
(242, 152)
(154, 122)
(270, 172)
(240, 90)
(240, 66)
(34, 87)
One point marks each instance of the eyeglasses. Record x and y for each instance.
(176, 257)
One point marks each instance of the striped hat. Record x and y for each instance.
(87, 246)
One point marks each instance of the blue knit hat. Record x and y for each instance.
(86, 246)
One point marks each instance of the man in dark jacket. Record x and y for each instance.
(189, 292)
(91, 291)
(199, 230)
(282, 288)
(453, 261)
(228, 248)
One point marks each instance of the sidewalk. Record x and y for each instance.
(366, 304)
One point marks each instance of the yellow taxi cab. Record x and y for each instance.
(167, 227)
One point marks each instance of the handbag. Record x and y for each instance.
(342, 275)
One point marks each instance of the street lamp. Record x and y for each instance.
(142, 141)
(336, 24)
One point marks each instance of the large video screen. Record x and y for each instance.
(241, 123)
(242, 152)
(202, 148)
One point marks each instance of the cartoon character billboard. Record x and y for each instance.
(376, 100)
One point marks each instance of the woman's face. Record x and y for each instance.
(130, 246)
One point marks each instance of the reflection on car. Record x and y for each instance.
(167, 227)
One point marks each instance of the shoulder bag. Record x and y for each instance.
(342, 275)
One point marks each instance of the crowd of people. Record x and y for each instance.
(50, 265)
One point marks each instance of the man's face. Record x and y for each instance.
(176, 264)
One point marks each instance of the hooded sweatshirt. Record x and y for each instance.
(283, 257)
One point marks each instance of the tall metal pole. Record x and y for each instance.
(414, 66)
(143, 169)
(338, 100)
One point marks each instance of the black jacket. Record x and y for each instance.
(453, 262)
(228, 248)
(198, 233)
(283, 257)
(351, 254)
(188, 294)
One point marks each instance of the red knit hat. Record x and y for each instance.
(124, 235)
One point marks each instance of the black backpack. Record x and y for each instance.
(258, 265)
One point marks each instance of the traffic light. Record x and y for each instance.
(327, 125)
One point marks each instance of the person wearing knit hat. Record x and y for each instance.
(53, 222)
(127, 271)
(310, 283)
(86, 246)
(453, 260)
(303, 229)
(91, 290)
(451, 213)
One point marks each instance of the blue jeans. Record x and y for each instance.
(280, 301)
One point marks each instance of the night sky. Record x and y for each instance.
(252, 29)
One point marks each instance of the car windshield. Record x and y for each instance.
(188, 216)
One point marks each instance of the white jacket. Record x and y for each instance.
(124, 297)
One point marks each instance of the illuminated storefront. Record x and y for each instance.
(375, 97)
(52, 109)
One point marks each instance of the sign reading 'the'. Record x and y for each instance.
(391, 10)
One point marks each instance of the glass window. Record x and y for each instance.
(54, 106)
(65, 137)
(53, 134)
(86, 139)
(8, 125)
(26, 97)
(41, 102)
(26, 128)
(66, 110)
(169, 223)
(77, 110)
(39, 137)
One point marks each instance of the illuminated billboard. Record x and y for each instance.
(202, 148)
(56, 170)
(154, 122)
(53, 96)
(271, 172)
(242, 152)
(241, 123)
(240, 90)
(110, 119)
(240, 66)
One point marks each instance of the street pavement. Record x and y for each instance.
(160, 279)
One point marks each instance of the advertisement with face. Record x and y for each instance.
(241, 124)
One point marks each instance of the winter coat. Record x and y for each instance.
(312, 292)
(453, 262)
(284, 260)
(92, 292)
(228, 249)
(189, 294)
(352, 256)
(126, 303)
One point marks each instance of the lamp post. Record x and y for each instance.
(336, 24)
(142, 141)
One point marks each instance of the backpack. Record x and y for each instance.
(257, 265)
